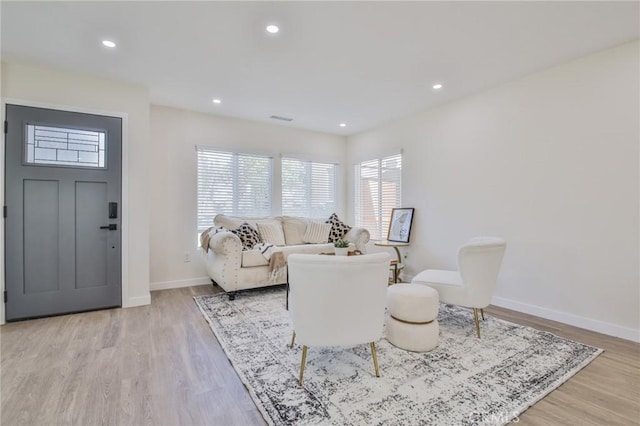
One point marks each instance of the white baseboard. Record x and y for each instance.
(165, 285)
(137, 301)
(566, 318)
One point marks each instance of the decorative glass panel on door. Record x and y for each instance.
(59, 146)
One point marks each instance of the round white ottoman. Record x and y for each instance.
(412, 322)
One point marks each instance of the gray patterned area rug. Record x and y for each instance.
(463, 381)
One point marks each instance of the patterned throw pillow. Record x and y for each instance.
(338, 228)
(248, 236)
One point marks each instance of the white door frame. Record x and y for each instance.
(125, 187)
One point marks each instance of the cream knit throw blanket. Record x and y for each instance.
(277, 261)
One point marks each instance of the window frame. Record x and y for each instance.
(310, 190)
(379, 207)
(204, 219)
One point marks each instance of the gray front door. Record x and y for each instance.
(63, 210)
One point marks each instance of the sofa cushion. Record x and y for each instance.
(231, 222)
(307, 249)
(248, 235)
(338, 228)
(271, 232)
(251, 258)
(317, 232)
(294, 229)
(228, 222)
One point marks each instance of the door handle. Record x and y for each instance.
(110, 227)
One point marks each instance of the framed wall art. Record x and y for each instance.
(400, 225)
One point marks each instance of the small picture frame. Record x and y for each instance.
(400, 225)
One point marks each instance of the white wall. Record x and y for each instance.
(173, 200)
(550, 163)
(53, 88)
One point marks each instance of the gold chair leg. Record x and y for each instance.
(475, 315)
(293, 339)
(304, 360)
(482, 312)
(375, 358)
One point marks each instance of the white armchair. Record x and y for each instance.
(479, 264)
(337, 300)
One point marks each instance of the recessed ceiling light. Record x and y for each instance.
(217, 101)
(343, 125)
(108, 43)
(272, 29)
(437, 86)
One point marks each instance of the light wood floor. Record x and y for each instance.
(161, 365)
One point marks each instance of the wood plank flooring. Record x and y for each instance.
(161, 365)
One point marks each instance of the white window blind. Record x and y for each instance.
(232, 183)
(378, 191)
(308, 188)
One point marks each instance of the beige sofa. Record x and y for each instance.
(233, 269)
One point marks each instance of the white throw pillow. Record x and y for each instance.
(317, 232)
(271, 232)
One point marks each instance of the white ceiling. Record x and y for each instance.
(362, 63)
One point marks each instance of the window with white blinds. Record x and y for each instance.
(377, 192)
(232, 183)
(308, 188)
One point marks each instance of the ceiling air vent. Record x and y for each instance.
(277, 117)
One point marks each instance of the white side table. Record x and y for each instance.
(399, 265)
